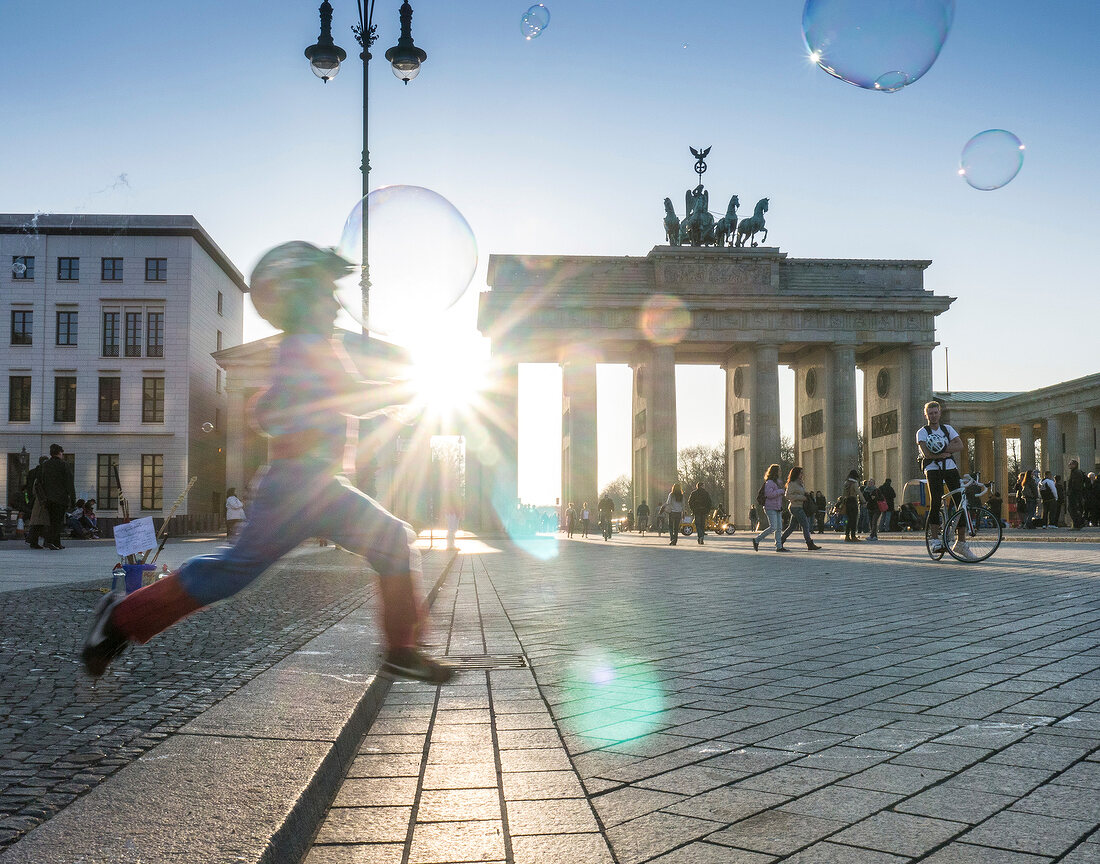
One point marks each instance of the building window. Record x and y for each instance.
(106, 489)
(112, 270)
(152, 400)
(68, 269)
(66, 327)
(22, 266)
(110, 334)
(22, 326)
(152, 481)
(220, 298)
(133, 334)
(154, 335)
(156, 269)
(19, 398)
(110, 394)
(218, 341)
(64, 399)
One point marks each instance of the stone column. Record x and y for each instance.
(661, 423)
(1053, 451)
(764, 410)
(1000, 463)
(841, 434)
(1027, 445)
(496, 450)
(1086, 450)
(236, 430)
(920, 391)
(963, 460)
(578, 433)
(983, 454)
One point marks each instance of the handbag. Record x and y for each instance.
(882, 508)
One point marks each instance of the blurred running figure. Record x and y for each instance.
(938, 443)
(303, 492)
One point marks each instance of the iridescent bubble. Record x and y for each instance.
(18, 268)
(422, 255)
(991, 159)
(208, 427)
(534, 21)
(876, 45)
(665, 319)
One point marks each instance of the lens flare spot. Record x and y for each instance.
(991, 159)
(665, 319)
(875, 45)
(421, 257)
(617, 698)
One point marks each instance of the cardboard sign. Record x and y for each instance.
(133, 538)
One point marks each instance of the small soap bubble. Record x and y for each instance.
(534, 21)
(422, 255)
(18, 268)
(665, 319)
(991, 159)
(207, 427)
(875, 45)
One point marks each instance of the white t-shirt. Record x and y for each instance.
(936, 441)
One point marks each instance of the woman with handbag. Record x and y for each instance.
(876, 506)
(850, 496)
(772, 494)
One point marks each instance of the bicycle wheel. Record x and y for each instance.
(930, 536)
(982, 536)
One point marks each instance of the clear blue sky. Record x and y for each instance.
(569, 143)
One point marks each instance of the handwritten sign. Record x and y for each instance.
(134, 537)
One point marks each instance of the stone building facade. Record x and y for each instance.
(109, 324)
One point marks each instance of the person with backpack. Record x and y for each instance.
(700, 505)
(939, 443)
(889, 495)
(770, 497)
(606, 508)
(643, 518)
(798, 499)
(873, 498)
(1048, 494)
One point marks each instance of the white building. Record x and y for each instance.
(107, 330)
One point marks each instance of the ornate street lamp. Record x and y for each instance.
(405, 59)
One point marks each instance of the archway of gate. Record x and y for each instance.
(748, 311)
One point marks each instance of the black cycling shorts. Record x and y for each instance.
(936, 480)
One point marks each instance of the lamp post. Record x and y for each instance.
(405, 58)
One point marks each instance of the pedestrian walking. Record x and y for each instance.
(700, 505)
(673, 510)
(234, 512)
(850, 495)
(586, 515)
(303, 492)
(570, 520)
(57, 484)
(822, 506)
(643, 517)
(876, 505)
(606, 508)
(889, 495)
(1075, 491)
(797, 498)
(770, 497)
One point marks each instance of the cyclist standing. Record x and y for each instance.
(939, 443)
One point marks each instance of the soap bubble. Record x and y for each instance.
(422, 256)
(991, 159)
(208, 427)
(18, 268)
(534, 21)
(665, 319)
(876, 45)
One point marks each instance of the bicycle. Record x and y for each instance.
(983, 531)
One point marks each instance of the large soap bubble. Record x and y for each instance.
(422, 255)
(534, 21)
(991, 159)
(879, 45)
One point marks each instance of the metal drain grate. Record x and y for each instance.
(487, 661)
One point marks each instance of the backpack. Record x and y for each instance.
(760, 494)
(809, 506)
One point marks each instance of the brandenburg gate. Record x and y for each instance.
(746, 309)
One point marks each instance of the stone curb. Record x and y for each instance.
(249, 780)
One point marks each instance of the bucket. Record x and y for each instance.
(133, 576)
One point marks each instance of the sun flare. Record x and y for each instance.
(448, 374)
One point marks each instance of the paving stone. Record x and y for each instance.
(965, 853)
(1085, 775)
(1028, 832)
(458, 805)
(889, 777)
(374, 744)
(899, 834)
(1007, 779)
(726, 804)
(1027, 755)
(655, 833)
(562, 815)
(707, 853)
(367, 853)
(386, 765)
(690, 780)
(535, 760)
(559, 848)
(956, 804)
(775, 832)
(539, 785)
(470, 776)
(948, 757)
(842, 803)
(456, 842)
(376, 791)
(833, 853)
(1066, 802)
(365, 825)
(630, 802)
(848, 760)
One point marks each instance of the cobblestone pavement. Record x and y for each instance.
(60, 734)
(701, 705)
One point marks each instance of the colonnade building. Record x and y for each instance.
(748, 310)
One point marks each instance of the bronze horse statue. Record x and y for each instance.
(726, 227)
(672, 224)
(752, 225)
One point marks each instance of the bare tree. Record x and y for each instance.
(621, 490)
(1013, 459)
(786, 456)
(707, 465)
